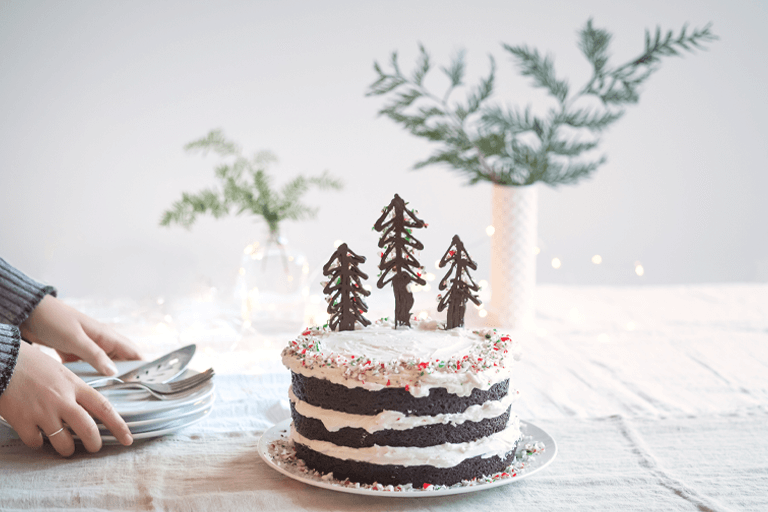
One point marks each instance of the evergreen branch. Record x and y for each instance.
(455, 72)
(540, 69)
(490, 142)
(594, 45)
(423, 67)
(508, 120)
(583, 118)
(246, 186)
(215, 141)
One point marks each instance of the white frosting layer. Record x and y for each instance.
(445, 455)
(333, 421)
(416, 359)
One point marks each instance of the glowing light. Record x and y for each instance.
(290, 258)
(426, 287)
(482, 313)
(437, 264)
(160, 301)
(246, 324)
(337, 243)
(305, 292)
(430, 276)
(639, 270)
(241, 271)
(305, 268)
(556, 263)
(249, 249)
(597, 259)
(168, 319)
(490, 230)
(536, 250)
(368, 287)
(290, 279)
(482, 284)
(630, 326)
(315, 299)
(423, 315)
(603, 338)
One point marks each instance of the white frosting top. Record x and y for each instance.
(445, 455)
(417, 358)
(333, 421)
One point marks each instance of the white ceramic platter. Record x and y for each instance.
(531, 434)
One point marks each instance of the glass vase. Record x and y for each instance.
(272, 286)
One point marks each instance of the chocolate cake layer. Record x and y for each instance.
(328, 395)
(426, 435)
(367, 473)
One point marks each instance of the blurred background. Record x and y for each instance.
(98, 99)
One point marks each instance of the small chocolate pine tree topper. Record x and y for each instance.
(344, 290)
(398, 264)
(462, 285)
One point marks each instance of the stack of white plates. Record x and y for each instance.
(145, 415)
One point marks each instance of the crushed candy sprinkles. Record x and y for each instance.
(283, 454)
(487, 357)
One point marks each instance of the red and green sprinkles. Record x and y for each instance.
(489, 355)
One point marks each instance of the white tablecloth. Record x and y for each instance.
(657, 397)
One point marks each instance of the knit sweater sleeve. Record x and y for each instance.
(10, 339)
(19, 295)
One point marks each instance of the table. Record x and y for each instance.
(657, 396)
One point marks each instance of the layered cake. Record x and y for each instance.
(417, 405)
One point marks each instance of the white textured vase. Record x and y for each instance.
(513, 258)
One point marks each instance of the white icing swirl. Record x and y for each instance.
(416, 359)
(333, 421)
(445, 455)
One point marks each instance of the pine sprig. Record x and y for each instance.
(486, 141)
(246, 187)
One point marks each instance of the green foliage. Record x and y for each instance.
(245, 186)
(487, 141)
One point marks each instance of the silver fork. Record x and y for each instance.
(163, 391)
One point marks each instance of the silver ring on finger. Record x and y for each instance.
(57, 432)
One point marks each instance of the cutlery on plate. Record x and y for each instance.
(160, 390)
(161, 370)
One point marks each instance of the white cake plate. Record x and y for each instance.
(531, 434)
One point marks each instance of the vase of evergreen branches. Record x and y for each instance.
(271, 277)
(515, 148)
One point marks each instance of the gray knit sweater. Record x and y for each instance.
(19, 295)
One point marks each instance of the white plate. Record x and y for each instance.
(160, 429)
(151, 423)
(542, 460)
(137, 405)
(169, 428)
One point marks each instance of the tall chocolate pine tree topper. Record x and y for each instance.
(344, 289)
(398, 264)
(461, 286)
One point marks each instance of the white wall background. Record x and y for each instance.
(98, 98)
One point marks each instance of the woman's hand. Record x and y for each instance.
(76, 336)
(43, 395)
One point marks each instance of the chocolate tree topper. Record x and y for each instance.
(344, 289)
(398, 264)
(461, 284)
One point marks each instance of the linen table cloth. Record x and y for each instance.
(656, 396)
